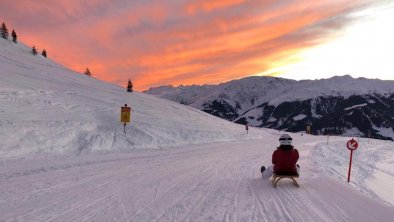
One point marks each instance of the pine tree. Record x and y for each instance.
(129, 86)
(87, 72)
(14, 36)
(34, 50)
(4, 31)
(44, 53)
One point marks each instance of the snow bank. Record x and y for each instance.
(372, 167)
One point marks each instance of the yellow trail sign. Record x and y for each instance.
(125, 114)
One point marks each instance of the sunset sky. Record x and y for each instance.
(187, 42)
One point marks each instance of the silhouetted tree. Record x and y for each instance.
(44, 53)
(4, 31)
(129, 86)
(34, 50)
(87, 72)
(14, 36)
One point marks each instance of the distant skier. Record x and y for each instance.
(247, 128)
(284, 159)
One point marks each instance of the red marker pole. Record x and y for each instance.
(351, 145)
(350, 166)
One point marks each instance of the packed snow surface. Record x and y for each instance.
(64, 157)
(210, 182)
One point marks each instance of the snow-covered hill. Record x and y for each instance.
(47, 109)
(41, 100)
(340, 105)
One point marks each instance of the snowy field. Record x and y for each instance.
(211, 182)
(64, 157)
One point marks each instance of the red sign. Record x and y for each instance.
(352, 144)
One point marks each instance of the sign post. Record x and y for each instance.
(125, 116)
(308, 129)
(328, 137)
(351, 145)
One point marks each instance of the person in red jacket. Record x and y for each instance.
(285, 157)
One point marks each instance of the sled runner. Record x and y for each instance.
(277, 177)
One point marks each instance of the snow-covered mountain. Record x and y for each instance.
(340, 105)
(41, 100)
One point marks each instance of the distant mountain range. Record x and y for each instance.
(340, 105)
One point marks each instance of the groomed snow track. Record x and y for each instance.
(214, 182)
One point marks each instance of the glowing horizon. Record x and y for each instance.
(209, 42)
(363, 50)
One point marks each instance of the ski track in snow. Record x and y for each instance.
(212, 182)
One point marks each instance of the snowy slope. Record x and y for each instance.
(41, 100)
(210, 182)
(206, 169)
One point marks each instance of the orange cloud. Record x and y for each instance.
(207, 5)
(176, 42)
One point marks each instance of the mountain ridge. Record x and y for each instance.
(259, 100)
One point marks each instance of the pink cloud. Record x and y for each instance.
(172, 42)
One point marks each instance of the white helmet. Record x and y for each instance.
(285, 139)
